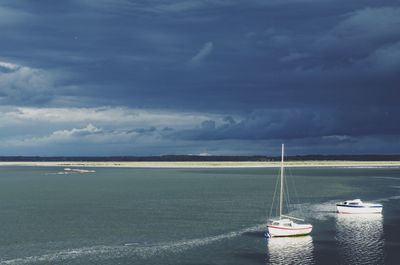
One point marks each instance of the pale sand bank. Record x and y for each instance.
(196, 164)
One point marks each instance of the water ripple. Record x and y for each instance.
(291, 250)
(360, 238)
(128, 249)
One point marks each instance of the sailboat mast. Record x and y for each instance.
(281, 193)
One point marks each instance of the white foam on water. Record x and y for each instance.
(395, 197)
(129, 249)
(322, 211)
(325, 210)
(68, 170)
(391, 178)
(319, 211)
(77, 170)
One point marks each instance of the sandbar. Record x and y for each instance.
(205, 164)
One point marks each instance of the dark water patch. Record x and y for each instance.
(252, 257)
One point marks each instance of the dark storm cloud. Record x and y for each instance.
(258, 51)
(276, 69)
(340, 125)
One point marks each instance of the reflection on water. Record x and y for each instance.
(290, 250)
(360, 238)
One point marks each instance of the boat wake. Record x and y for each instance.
(325, 210)
(68, 170)
(137, 250)
(317, 211)
(389, 178)
(396, 197)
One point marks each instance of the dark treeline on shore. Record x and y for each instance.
(176, 158)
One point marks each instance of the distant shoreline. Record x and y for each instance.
(204, 164)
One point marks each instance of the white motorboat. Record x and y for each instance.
(284, 225)
(357, 206)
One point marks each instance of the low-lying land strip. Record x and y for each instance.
(207, 164)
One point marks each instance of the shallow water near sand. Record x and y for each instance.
(191, 216)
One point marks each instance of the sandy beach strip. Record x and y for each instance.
(198, 164)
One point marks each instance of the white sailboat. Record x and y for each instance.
(284, 225)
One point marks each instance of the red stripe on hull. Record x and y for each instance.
(284, 228)
(290, 235)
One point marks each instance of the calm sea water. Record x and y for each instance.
(191, 216)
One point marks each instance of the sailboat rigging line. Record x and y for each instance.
(290, 203)
(273, 198)
(295, 192)
(287, 201)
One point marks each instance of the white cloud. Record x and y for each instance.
(10, 16)
(373, 22)
(294, 56)
(115, 116)
(180, 6)
(9, 66)
(371, 27)
(85, 135)
(175, 6)
(98, 131)
(386, 58)
(22, 84)
(203, 53)
(88, 130)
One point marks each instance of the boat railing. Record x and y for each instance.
(291, 217)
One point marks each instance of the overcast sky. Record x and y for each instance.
(231, 77)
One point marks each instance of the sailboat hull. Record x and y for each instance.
(279, 231)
